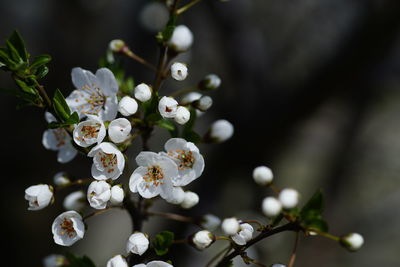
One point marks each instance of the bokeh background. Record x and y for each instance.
(312, 87)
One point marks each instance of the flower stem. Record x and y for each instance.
(293, 256)
(126, 51)
(173, 216)
(184, 91)
(98, 212)
(186, 7)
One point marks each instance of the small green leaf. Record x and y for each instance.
(169, 29)
(13, 53)
(162, 242)
(60, 106)
(316, 224)
(26, 88)
(39, 61)
(5, 58)
(19, 44)
(76, 261)
(314, 206)
(168, 125)
(41, 71)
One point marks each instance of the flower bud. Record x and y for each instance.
(167, 107)
(204, 103)
(230, 226)
(289, 198)
(179, 71)
(117, 195)
(61, 178)
(143, 92)
(190, 97)
(181, 39)
(177, 196)
(262, 175)
(203, 239)
(271, 207)
(210, 82)
(190, 200)
(117, 261)
(220, 131)
(245, 234)
(210, 222)
(138, 243)
(99, 194)
(116, 45)
(119, 130)
(54, 260)
(127, 106)
(182, 115)
(39, 196)
(75, 201)
(352, 241)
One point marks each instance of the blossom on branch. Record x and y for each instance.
(89, 132)
(39, 196)
(108, 161)
(68, 228)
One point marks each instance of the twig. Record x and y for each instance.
(98, 212)
(293, 256)
(173, 216)
(186, 7)
(126, 51)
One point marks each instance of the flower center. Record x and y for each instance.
(67, 227)
(90, 131)
(154, 175)
(96, 99)
(109, 161)
(60, 136)
(185, 157)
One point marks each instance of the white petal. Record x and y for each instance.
(107, 81)
(66, 154)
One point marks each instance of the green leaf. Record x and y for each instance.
(192, 136)
(25, 87)
(168, 125)
(60, 106)
(19, 94)
(19, 44)
(76, 261)
(162, 242)
(169, 28)
(13, 53)
(41, 71)
(314, 206)
(39, 61)
(5, 58)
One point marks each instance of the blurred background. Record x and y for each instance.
(312, 88)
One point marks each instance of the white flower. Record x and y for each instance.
(117, 195)
(177, 196)
(204, 103)
(278, 265)
(271, 207)
(58, 140)
(39, 196)
(289, 198)
(75, 201)
(127, 106)
(68, 228)
(221, 130)
(116, 45)
(117, 261)
(143, 92)
(119, 130)
(230, 226)
(108, 161)
(203, 239)
(167, 107)
(54, 260)
(188, 159)
(154, 264)
(210, 82)
(182, 115)
(179, 71)
(181, 39)
(190, 97)
(138, 243)
(95, 94)
(262, 175)
(245, 234)
(60, 179)
(153, 176)
(190, 200)
(210, 222)
(99, 192)
(89, 132)
(352, 241)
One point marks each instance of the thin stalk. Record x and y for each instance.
(98, 212)
(186, 7)
(293, 256)
(184, 91)
(126, 51)
(173, 216)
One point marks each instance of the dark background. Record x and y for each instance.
(311, 86)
